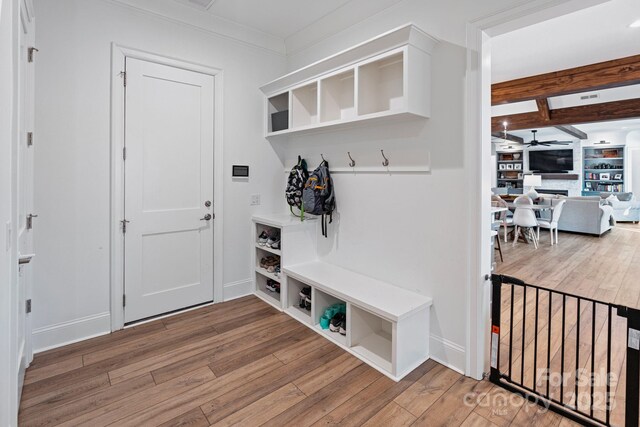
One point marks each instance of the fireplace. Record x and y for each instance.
(551, 191)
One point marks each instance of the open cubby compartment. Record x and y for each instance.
(304, 105)
(293, 301)
(278, 112)
(337, 97)
(264, 252)
(272, 298)
(271, 231)
(320, 302)
(371, 337)
(381, 84)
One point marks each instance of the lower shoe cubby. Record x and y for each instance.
(324, 303)
(271, 297)
(296, 304)
(371, 337)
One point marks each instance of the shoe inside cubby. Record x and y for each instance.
(327, 306)
(299, 299)
(263, 234)
(262, 287)
(371, 337)
(268, 263)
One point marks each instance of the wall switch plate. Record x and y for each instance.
(255, 200)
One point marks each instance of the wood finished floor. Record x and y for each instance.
(243, 363)
(604, 268)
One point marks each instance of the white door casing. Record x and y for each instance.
(24, 195)
(169, 140)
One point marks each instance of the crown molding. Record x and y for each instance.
(185, 15)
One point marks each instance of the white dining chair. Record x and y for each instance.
(524, 220)
(552, 224)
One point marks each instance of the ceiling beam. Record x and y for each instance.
(508, 137)
(603, 75)
(607, 111)
(543, 109)
(573, 131)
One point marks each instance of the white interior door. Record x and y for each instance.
(169, 138)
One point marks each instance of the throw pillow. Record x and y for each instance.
(604, 195)
(625, 197)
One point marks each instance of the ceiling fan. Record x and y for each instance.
(534, 142)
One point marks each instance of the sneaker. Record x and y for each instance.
(263, 238)
(307, 303)
(275, 269)
(273, 240)
(304, 294)
(275, 245)
(272, 285)
(336, 322)
(343, 327)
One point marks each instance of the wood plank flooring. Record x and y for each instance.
(243, 363)
(604, 268)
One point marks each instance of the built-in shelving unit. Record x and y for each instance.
(510, 169)
(386, 326)
(387, 76)
(603, 170)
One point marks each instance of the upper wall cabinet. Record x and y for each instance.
(387, 76)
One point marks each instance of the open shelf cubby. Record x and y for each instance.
(337, 100)
(304, 105)
(381, 85)
(371, 337)
(261, 289)
(278, 112)
(293, 301)
(322, 301)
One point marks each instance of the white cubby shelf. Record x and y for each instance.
(385, 77)
(386, 327)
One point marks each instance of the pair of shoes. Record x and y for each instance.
(330, 312)
(270, 261)
(305, 298)
(273, 286)
(339, 324)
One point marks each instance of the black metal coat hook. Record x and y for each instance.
(352, 163)
(386, 161)
(322, 155)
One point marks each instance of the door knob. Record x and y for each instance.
(207, 217)
(207, 203)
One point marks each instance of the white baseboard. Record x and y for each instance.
(238, 289)
(448, 353)
(70, 332)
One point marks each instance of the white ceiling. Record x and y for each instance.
(596, 34)
(282, 18)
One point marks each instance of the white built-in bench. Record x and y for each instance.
(387, 326)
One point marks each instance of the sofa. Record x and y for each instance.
(587, 215)
(625, 206)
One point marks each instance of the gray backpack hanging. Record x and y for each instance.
(318, 197)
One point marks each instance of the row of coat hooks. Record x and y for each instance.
(352, 162)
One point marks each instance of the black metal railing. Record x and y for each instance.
(581, 387)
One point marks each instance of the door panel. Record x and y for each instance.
(168, 178)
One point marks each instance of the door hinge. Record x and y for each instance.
(29, 224)
(124, 223)
(124, 153)
(30, 53)
(123, 74)
(28, 306)
(29, 139)
(124, 300)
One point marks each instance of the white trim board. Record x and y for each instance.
(447, 353)
(238, 289)
(118, 55)
(64, 333)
